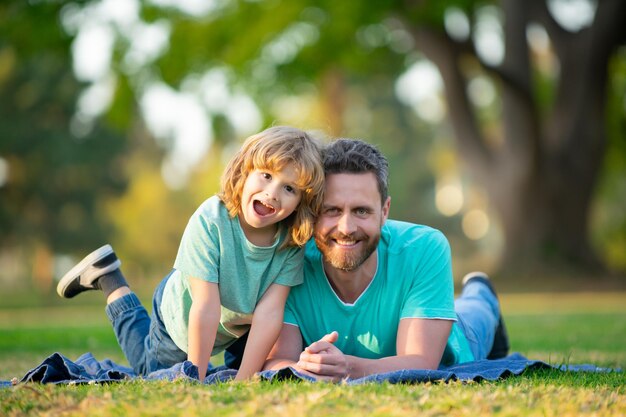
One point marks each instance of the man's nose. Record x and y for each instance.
(346, 224)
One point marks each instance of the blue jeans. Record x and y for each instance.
(144, 339)
(478, 311)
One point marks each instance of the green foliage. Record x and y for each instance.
(56, 182)
(72, 194)
(609, 220)
(334, 52)
(19, 18)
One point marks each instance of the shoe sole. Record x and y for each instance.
(85, 264)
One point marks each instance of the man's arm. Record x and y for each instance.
(286, 350)
(266, 325)
(420, 344)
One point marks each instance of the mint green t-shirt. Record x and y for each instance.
(413, 280)
(214, 248)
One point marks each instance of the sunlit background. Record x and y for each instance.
(166, 90)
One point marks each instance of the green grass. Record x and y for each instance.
(557, 328)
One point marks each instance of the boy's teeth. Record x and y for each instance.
(262, 208)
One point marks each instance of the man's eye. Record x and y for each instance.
(331, 211)
(361, 212)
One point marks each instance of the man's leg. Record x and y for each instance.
(478, 310)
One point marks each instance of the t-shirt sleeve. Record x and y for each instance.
(431, 290)
(291, 273)
(198, 253)
(289, 316)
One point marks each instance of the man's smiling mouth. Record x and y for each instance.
(345, 242)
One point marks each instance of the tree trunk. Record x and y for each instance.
(544, 219)
(540, 179)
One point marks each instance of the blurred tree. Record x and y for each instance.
(542, 171)
(608, 223)
(538, 152)
(54, 183)
(537, 149)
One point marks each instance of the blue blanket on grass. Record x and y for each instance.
(57, 369)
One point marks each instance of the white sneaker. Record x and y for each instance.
(85, 274)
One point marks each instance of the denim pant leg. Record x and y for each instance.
(160, 345)
(478, 312)
(233, 354)
(144, 340)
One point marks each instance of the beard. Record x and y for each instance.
(346, 260)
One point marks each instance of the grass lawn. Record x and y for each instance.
(557, 328)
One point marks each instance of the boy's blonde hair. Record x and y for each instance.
(272, 150)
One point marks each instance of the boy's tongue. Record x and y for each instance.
(262, 209)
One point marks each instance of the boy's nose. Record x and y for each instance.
(271, 193)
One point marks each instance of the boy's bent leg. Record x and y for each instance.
(131, 325)
(143, 339)
(478, 310)
(159, 345)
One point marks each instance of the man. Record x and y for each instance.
(378, 294)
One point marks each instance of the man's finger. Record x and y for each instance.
(319, 347)
(322, 357)
(331, 337)
(322, 372)
(323, 344)
(316, 368)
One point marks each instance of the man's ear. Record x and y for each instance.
(385, 211)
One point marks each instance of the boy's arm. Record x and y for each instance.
(204, 318)
(267, 322)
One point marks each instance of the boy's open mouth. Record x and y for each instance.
(263, 209)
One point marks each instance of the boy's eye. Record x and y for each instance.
(290, 189)
(266, 175)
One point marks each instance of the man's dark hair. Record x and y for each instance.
(355, 156)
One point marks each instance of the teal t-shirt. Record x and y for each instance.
(413, 280)
(214, 248)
